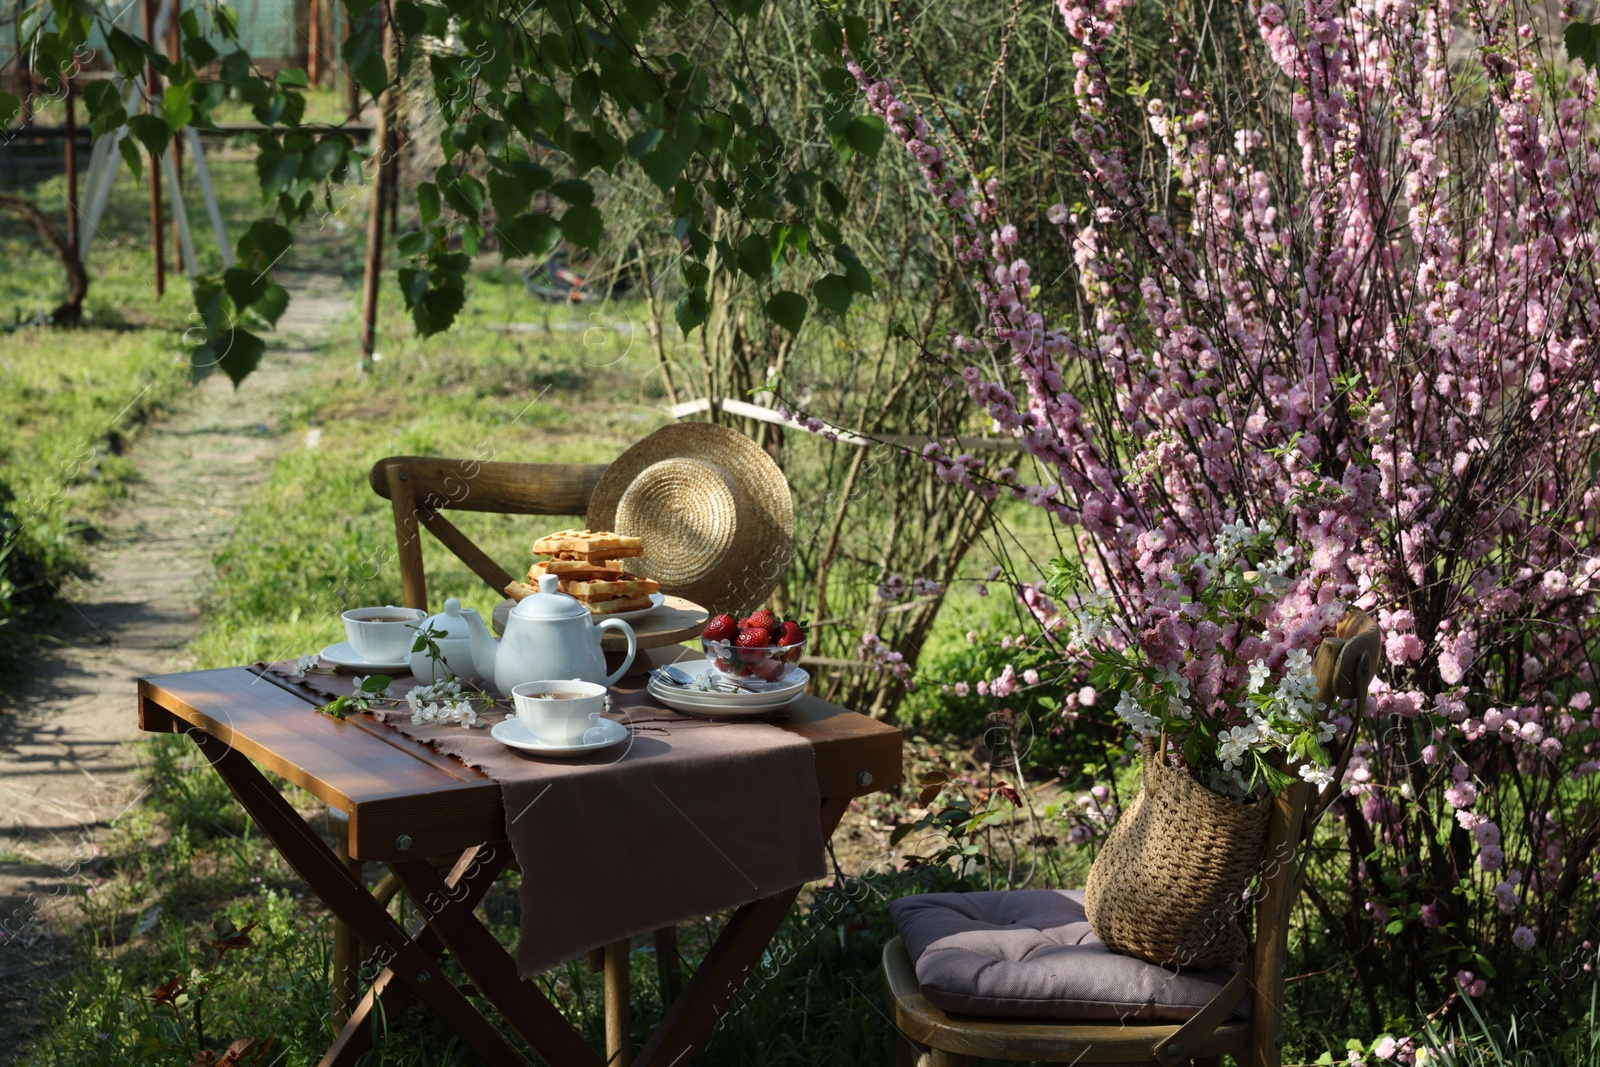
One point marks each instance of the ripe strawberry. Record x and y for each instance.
(791, 634)
(752, 644)
(750, 637)
(763, 620)
(720, 628)
(769, 670)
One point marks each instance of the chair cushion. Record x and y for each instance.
(1030, 954)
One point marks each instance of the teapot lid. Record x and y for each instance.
(550, 603)
(448, 623)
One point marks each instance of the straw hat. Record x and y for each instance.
(712, 508)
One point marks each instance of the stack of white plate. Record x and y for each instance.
(701, 700)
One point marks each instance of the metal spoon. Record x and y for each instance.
(673, 675)
(670, 675)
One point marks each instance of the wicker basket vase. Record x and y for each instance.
(1168, 884)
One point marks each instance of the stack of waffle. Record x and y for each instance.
(591, 567)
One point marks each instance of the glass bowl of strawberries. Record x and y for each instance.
(756, 650)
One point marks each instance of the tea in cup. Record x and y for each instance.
(559, 712)
(382, 635)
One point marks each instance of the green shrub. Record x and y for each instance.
(1049, 735)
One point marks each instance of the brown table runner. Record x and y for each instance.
(685, 818)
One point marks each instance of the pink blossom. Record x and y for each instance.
(1523, 938)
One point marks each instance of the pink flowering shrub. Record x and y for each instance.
(1359, 306)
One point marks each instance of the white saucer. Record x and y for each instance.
(512, 732)
(656, 600)
(343, 655)
(791, 683)
(680, 700)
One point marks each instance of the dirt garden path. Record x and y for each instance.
(67, 770)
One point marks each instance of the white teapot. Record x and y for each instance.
(548, 637)
(451, 631)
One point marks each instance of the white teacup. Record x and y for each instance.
(559, 713)
(382, 635)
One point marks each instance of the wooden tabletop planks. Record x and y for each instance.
(405, 799)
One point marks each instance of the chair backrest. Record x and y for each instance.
(421, 487)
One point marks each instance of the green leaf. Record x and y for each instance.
(275, 170)
(691, 310)
(105, 107)
(292, 78)
(273, 303)
(1583, 43)
(410, 17)
(529, 235)
(151, 132)
(583, 226)
(799, 188)
(337, 708)
(787, 309)
(130, 155)
(590, 149)
(545, 104)
(574, 191)
(10, 106)
(241, 355)
(855, 32)
(413, 243)
(175, 105)
(428, 202)
(825, 38)
(199, 50)
(363, 51)
(663, 168)
(465, 194)
(755, 257)
(643, 141)
(245, 286)
(832, 291)
(263, 244)
(508, 194)
(413, 284)
(325, 157)
(859, 278)
(437, 309)
(554, 52)
(865, 134)
(126, 52)
(376, 684)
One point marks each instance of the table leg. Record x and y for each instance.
(669, 967)
(714, 984)
(493, 971)
(474, 872)
(305, 851)
(346, 947)
(619, 1048)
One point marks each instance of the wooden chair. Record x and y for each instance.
(931, 1037)
(421, 489)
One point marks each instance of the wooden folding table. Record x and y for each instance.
(406, 802)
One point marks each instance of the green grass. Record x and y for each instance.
(71, 404)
